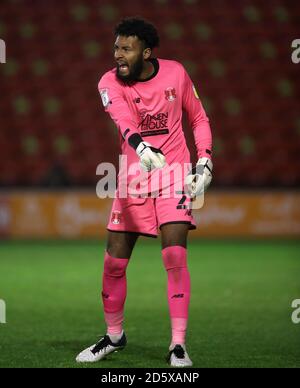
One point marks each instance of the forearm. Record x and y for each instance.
(126, 126)
(203, 139)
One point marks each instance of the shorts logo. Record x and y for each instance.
(116, 217)
(188, 213)
(170, 94)
(105, 97)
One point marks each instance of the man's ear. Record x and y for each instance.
(147, 53)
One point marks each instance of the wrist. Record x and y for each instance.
(205, 154)
(135, 140)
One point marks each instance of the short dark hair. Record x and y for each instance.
(136, 26)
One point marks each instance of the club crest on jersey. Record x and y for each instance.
(116, 217)
(170, 94)
(105, 97)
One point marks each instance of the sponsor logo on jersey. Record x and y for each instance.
(170, 94)
(152, 125)
(104, 97)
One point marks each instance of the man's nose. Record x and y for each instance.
(118, 55)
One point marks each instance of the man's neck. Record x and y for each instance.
(148, 70)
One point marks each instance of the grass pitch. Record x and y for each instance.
(240, 312)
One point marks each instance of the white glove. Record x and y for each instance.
(150, 157)
(199, 177)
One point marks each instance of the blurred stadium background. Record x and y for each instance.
(54, 133)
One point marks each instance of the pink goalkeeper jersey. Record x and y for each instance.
(153, 108)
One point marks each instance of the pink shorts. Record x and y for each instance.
(146, 215)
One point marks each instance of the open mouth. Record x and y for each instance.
(123, 66)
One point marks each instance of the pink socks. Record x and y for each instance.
(114, 292)
(115, 289)
(175, 262)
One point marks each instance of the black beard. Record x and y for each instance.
(134, 73)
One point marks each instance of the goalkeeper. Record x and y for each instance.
(145, 96)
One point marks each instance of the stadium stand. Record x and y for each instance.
(237, 52)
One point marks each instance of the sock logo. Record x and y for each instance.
(177, 296)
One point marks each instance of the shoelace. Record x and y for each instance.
(101, 345)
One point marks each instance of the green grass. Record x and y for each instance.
(240, 312)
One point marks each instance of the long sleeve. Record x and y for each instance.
(197, 118)
(115, 104)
